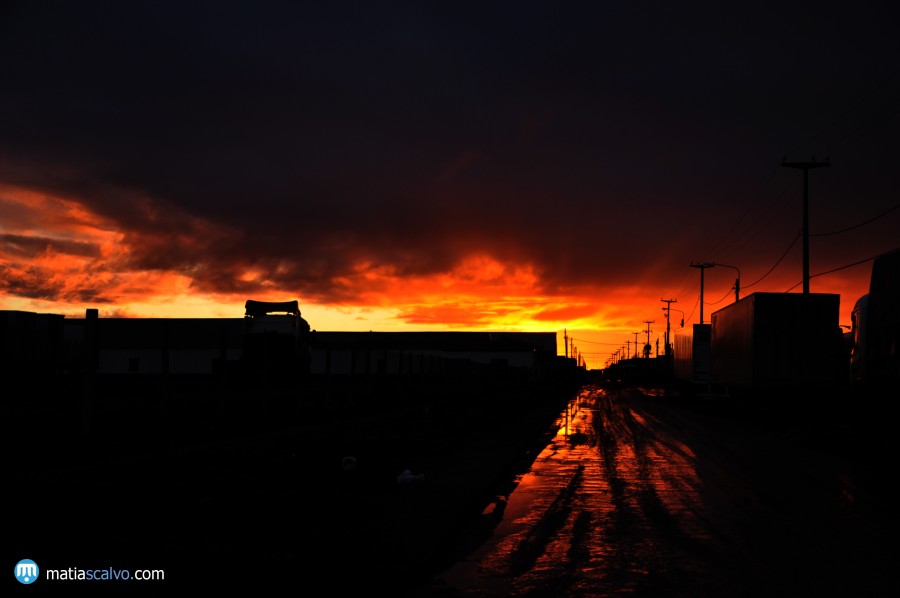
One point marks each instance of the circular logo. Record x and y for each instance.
(27, 571)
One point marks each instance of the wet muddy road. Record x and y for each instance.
(641, 496)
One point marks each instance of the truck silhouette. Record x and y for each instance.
(276, 342)
(875, 328)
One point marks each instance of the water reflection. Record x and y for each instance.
(611, 505)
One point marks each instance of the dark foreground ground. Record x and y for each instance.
(261, 491)
(252, 489)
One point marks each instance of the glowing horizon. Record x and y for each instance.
(59, 256)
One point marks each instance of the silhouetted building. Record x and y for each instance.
(30, 343)
(206, 346)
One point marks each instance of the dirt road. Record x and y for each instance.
(645, 494)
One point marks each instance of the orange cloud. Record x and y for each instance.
(57, 255)
(75, 257)
(56, 250)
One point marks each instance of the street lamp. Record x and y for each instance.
(737, 282)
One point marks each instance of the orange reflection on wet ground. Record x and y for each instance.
(642, 493)
(608, 506)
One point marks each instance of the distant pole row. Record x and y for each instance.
(702, 266)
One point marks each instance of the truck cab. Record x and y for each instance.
(875, 329)
(276, 340)
(858, 323)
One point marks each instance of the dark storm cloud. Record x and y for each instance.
(303, 139)
(30, 246)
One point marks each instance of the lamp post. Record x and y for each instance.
(737, 282)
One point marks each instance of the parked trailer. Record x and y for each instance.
(692, 359)
(783, 341)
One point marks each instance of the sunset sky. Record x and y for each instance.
(528, 166)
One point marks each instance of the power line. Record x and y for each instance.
(720, 300)
(581, 340)
(694, 309)
(762, 221)
(888, 111)
(740, 239)
(786, 251)
(868, 259)
(680, 288)
(849, 228)
(885, 113)
(750, 204)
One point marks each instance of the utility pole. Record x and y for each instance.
(805, 166)
(566, 342)
(702, 267)
(668, 306)
(647, 346)
(628, 347)
(636, 343)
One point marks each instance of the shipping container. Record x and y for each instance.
(779, 341)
